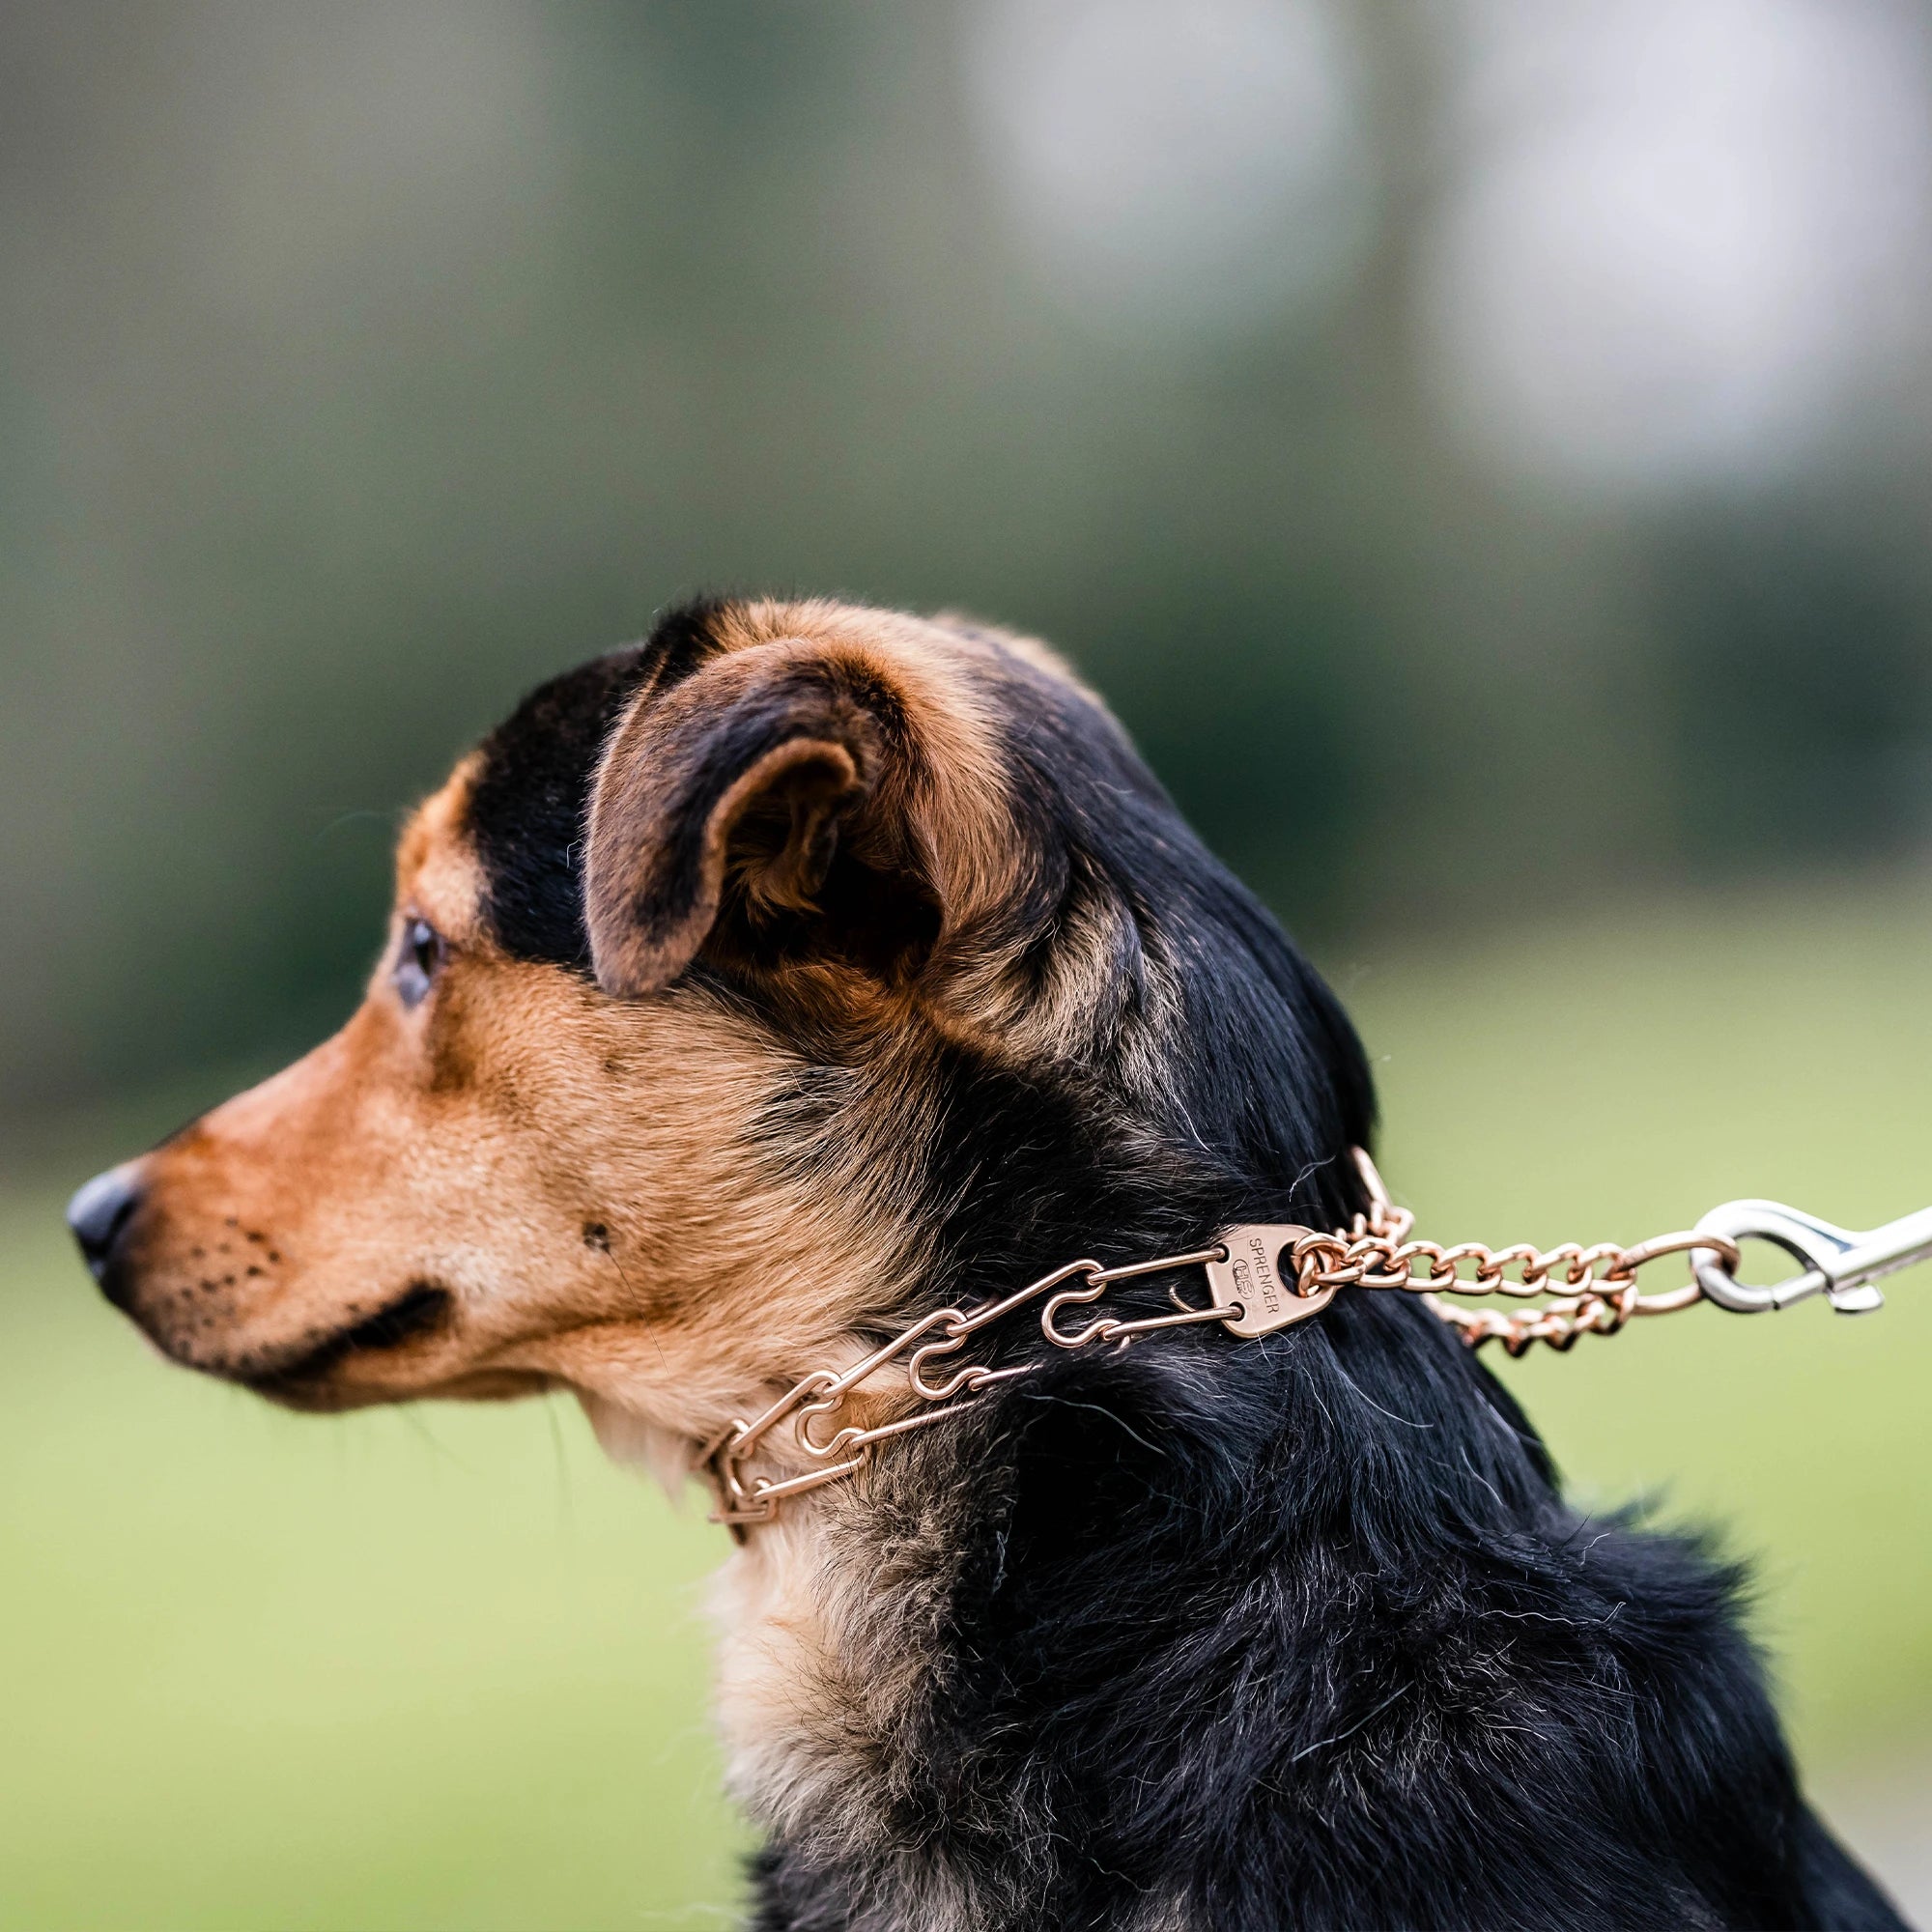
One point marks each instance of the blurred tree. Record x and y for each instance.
(1802, 677)
(359, 367)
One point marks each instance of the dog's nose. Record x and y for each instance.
(98, 1212)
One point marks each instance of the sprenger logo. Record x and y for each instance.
(1249, 1282)
(1254, 1268)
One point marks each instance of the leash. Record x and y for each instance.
(1265, 1278)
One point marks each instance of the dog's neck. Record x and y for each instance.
(1212, 1633)
(916, 1668)
(1167, 1638)
(852, 1623)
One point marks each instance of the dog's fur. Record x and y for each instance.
(808, 967)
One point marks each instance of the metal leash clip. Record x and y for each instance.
(1837, 1263)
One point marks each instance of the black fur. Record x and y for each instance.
(533, 787)
(1236, 1634)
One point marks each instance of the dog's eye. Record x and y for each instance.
(418, 962)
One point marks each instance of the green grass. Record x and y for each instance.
(410, 1669)
(447, 1670)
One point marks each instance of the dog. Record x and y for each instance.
(754, 992)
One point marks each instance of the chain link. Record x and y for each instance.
(741, 1499)
(1594, 1289)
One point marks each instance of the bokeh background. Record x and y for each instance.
(1482, 449)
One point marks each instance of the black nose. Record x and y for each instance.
(97, 1214)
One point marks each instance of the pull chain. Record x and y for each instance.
(1262, 1278)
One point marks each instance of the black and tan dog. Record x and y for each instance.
(754, 992)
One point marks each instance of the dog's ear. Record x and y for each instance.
(758, 808)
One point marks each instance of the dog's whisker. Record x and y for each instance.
(560, 1463)
(609, 1250)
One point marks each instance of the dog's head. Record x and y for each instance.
(727, 985)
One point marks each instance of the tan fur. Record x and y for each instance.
(949, 805)
(825, 1621)
(959, 813)
(471, 1144)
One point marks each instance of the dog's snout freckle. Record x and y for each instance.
(597, 1236)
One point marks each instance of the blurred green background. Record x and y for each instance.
(1515, 419)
